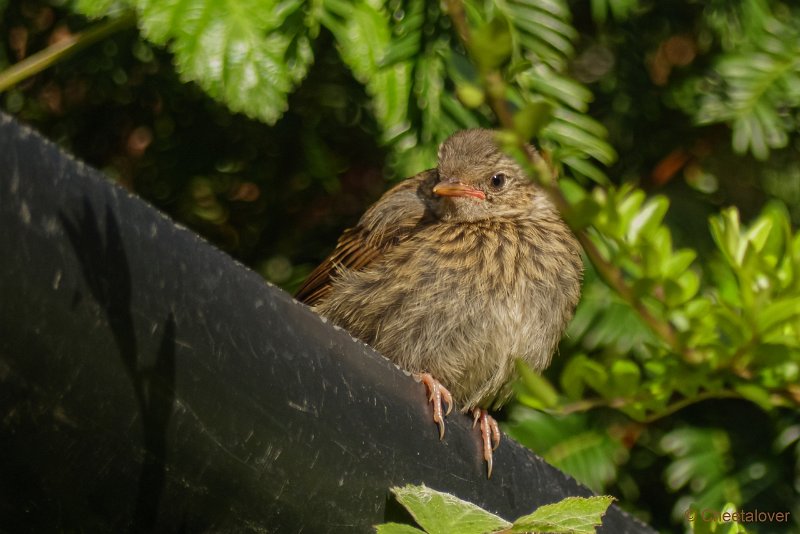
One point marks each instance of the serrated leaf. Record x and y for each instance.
(442, 513)
(687, 286)
(573, 515)
(470, 95)
(397, 528)
(570, 443)
(248, 54)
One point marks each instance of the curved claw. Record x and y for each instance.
(490, 436)
(437, 394)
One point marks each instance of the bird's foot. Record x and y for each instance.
(437, 394)
(490, 434)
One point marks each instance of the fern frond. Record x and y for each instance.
(757, 89)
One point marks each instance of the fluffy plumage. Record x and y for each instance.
(455, 272)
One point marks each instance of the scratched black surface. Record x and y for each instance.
(149, 382)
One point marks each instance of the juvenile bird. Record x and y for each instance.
(453, 274)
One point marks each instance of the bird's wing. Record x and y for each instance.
(385, 224)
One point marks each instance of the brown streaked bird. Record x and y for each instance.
(453, 274)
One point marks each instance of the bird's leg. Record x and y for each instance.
(490, 432)
(437, 393)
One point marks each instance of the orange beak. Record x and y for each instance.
(457, 189)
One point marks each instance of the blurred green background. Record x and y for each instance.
(697, 101)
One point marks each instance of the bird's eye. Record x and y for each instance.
(498, 180)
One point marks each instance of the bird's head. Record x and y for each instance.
(477, 180)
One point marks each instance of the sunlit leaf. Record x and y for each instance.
(574, 515)
(443, 513)
(248, 54)
(537, 390)
(396, 528)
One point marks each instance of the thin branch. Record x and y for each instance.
(59, 51)
(687, 401)
(620, 403)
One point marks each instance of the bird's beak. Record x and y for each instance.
(457, 189)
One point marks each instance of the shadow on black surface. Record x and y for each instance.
(105, 268)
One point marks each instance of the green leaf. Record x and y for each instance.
(532, 118)
(573, 515)
(363, 34)
(648, 218)
(397, 528)
(755, 394)
(491, 43)
(100, 8)
(725, 231)
(442, 513)
(538, 393)
(248, 54)
(542, 29)
(777, 314)
(470, 95)
(570, 443)
(695, 518)
(625, 377)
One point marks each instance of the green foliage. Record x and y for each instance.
(676, 384)
(700, 458)
(746, 297)
(591, 452)
(571, 515)
(757, 84)
(251, 56)
(542, 44)
(441, 513)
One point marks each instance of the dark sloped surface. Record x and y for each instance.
(149, 382)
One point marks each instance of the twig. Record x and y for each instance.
(620, 403)
(61, 50)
